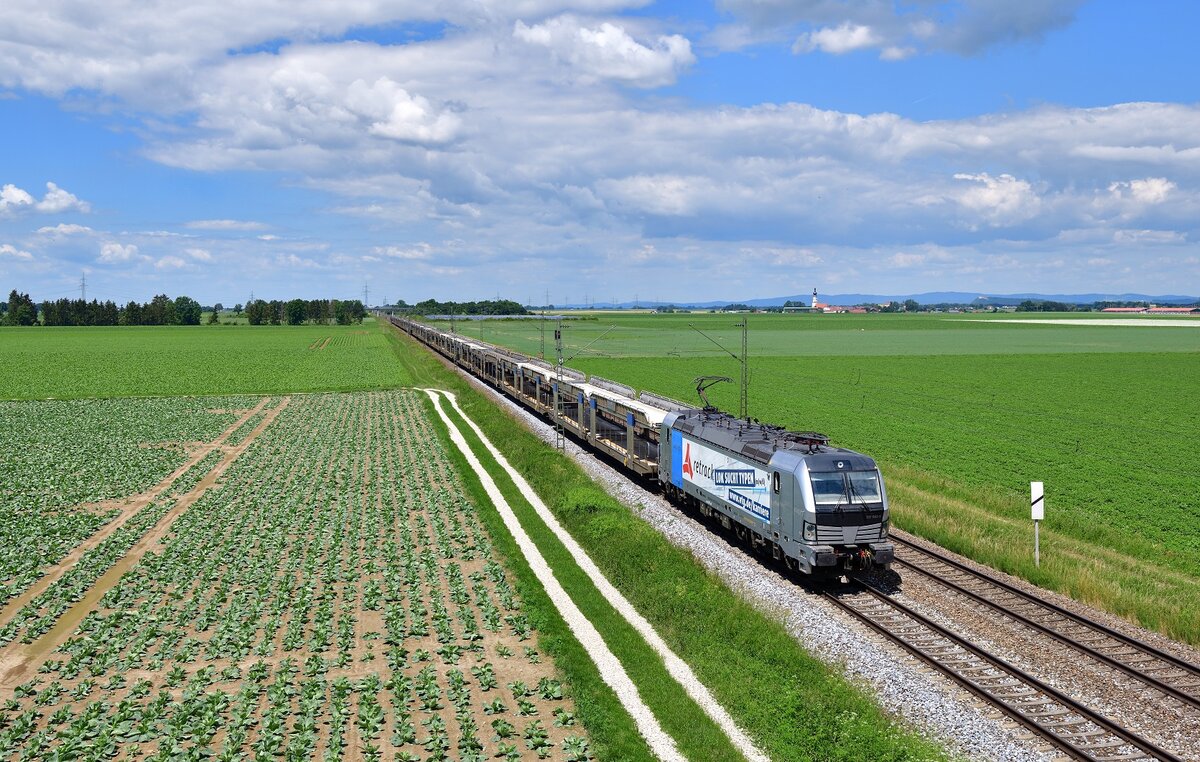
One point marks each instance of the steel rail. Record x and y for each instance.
(1041, 708)
(1144, 654)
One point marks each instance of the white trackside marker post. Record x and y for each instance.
(1037, 506)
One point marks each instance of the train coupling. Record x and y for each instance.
(852, 559)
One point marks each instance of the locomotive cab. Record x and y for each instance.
(842, 512)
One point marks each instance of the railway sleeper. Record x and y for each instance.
(1094, 747)
(1057, 712)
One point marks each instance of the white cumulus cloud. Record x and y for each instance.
(170, 262)
(201, 254)
(56, 200)
(608, 51)
(59, 200)
(395, 113)
(837, 40)
(13, 198)
(8, 250)
(115, 252)
(420, 251)
(1000, 200)
(1151, 190)
(657, 194)
(63, 229)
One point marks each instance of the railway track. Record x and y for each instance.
(1157, 669)
(1076, 730)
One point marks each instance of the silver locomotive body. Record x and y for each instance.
(816, 507)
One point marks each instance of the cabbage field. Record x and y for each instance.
(67, 465)
(333, 595)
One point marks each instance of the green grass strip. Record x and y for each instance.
(613, 732)
(696, 735)
(792, 704)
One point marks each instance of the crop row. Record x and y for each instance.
(238, 435)
(335, 591)
(61, 458)
(39, 615)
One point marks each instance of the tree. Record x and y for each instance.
(21, 310)
(214, 317)
(911, 305)
(349, 312)
(237, 310)
(160, 311)
(296, 311)
(256, 312)
(132, 314)
(187, 311)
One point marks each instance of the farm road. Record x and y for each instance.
(17, 659)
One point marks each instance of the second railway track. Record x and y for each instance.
(1069, 725)
(1155, 668)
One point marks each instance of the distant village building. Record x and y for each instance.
(1152, 310)
(807, 308)
(1173, 311)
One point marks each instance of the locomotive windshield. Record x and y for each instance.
(841, 488)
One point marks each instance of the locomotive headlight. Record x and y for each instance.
(883, 530)
(810, 532)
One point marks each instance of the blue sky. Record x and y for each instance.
(598, 148)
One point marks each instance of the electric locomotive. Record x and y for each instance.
(820, 509)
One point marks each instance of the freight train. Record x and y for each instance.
(792, 496)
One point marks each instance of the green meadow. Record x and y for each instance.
(962, 412)
(148, 361)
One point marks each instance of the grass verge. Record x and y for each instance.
(794, 706)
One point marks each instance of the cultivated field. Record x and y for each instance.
(70, 363)
(323, 590)
(70, 467)
(962, 416)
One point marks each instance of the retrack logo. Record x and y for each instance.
(687, 460)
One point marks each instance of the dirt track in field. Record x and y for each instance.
(17, 659)
(128, 507)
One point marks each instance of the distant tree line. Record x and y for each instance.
(20, 309)
(488, 307)
(1031, 305)
(161, 310)
(299, 311)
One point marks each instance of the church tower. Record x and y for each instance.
(814, 304)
